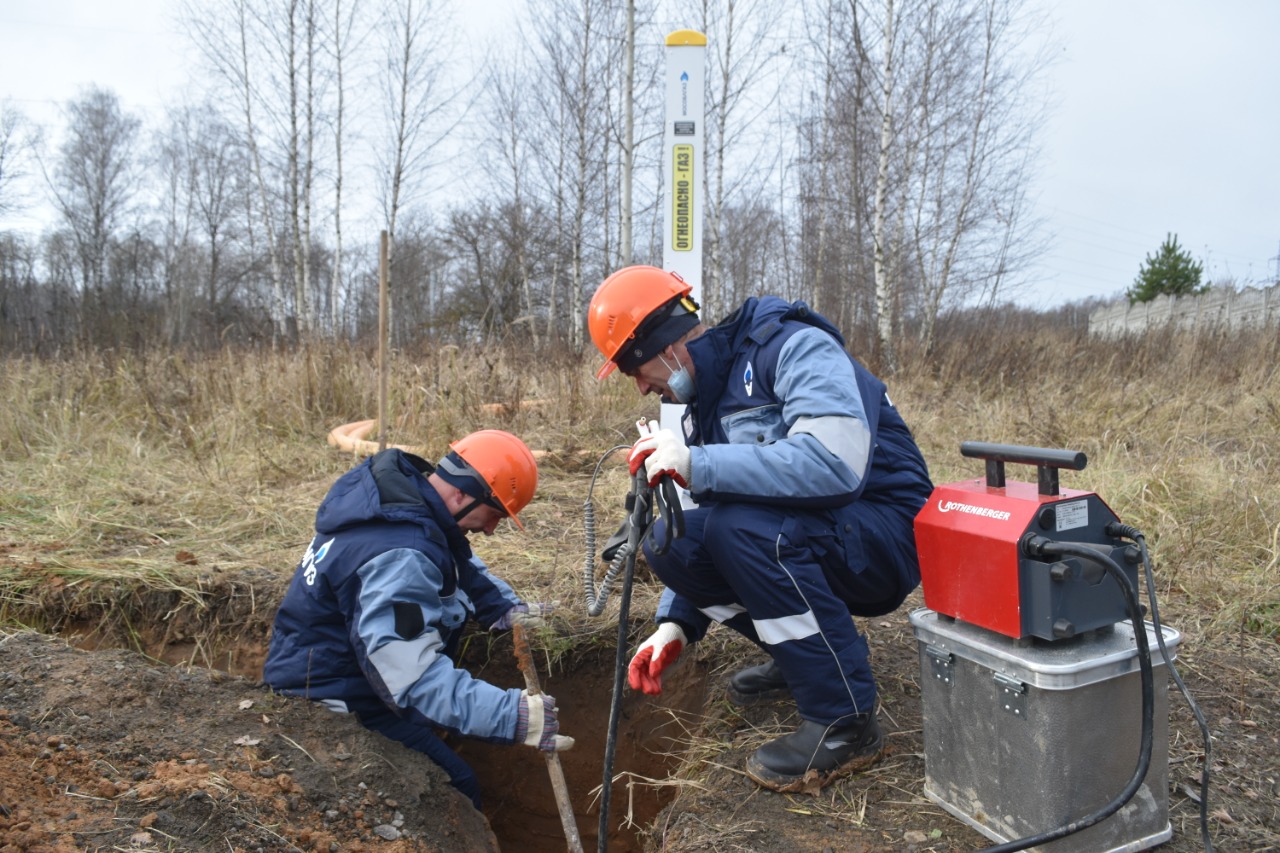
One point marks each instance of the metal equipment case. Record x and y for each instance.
(1015, 744)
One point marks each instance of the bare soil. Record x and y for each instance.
(108, 749)
(884, 809)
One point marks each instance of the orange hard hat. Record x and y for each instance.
(636, 312)
(504, 467)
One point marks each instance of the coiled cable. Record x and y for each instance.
(597, 599)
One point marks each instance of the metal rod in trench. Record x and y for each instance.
(554, 770)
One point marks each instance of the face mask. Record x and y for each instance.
(680, 383)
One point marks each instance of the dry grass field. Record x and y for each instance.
(158, 502)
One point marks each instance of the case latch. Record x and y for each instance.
(941, 662)
(1013, 694)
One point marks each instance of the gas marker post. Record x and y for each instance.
(683, 171)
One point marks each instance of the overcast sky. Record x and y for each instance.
(1167, 119)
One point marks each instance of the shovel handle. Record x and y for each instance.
(554, 770)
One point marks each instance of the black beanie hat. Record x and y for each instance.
(659, 330)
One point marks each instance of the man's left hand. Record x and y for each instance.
(537, 723)
(654, 656)
(664, 454)
(529, 616)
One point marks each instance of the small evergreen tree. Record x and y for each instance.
(1171, 270)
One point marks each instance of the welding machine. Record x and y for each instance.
(1040, 697)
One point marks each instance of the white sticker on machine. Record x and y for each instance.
(1072, 515)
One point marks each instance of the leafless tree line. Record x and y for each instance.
(870, 156)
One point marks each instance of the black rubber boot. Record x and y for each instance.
(757, 684)
(814, 755)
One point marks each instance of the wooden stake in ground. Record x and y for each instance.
(554, 770)
(383, 331)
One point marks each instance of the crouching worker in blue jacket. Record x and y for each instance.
(807, 483)
(378, 604)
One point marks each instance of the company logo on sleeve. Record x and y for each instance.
(748, 378)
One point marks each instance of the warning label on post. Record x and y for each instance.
(682, 198)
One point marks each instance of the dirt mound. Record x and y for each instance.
(105, 750)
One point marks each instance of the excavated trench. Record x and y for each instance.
(518, 798)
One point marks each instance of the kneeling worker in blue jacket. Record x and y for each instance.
(807, 482)
(378, 604)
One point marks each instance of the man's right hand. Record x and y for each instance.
(640, 451)
(655, 655)
(662, 453)
(537, 725)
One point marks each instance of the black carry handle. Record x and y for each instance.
(1046, 460)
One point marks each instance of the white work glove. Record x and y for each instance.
(662, 453)
(529, 616)
(655, 655)
(536, 723)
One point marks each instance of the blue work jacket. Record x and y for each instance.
(379, 601)
(784, 416)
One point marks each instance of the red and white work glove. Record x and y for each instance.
(536, 723)
(655, 655)
(662, 453)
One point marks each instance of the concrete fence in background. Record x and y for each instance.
(1220, 308)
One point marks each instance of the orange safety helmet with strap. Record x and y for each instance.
(636, 312)
(502, 465)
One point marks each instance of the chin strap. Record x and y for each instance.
(462, 513)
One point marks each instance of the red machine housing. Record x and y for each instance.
(972, 564)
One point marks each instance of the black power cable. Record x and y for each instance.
(640, 516)
(1038, 546)
(641, 501)
(1128, 532)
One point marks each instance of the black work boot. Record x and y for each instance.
(814, 755)
(757, 684)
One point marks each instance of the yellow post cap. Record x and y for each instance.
(686, 37)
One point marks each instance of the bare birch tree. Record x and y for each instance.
(509, 120)
(18, 143)
(969, 231)
(945, 84)
(267, 53)
(218, 169)
(227, 36)
(302, 153)
(886, 296)
(95, 179)
(420, 109)
(175, 165)
(744, 39)
(836, 135)
(628, 141)
(343, 25)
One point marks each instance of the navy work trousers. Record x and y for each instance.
(789, 580)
